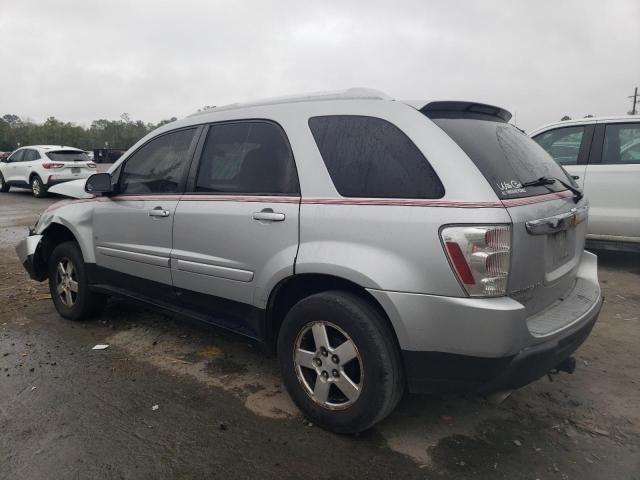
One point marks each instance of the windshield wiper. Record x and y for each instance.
(543, 181)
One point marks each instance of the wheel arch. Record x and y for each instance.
(52, 236)
(294, 288)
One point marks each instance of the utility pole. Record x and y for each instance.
(635, 102)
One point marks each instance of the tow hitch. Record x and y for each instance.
(568, 365)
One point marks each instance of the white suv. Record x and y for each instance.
(604, 155)
(40, 166)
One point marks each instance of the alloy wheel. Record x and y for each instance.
(36, 186)
(66, 282)
(328, 365)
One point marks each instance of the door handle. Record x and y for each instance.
(268, 215)
(159, 212)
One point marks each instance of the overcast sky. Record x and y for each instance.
(81, 60)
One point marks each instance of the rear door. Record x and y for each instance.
(548, 236)
(133, 230)
(236, 227)
(613, 182)
(25, 166)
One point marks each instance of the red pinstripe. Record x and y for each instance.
(515, 202)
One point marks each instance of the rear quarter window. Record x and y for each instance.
(370, 157)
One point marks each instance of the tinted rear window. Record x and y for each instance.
(68, 156)
(505, 156)
(370, 157)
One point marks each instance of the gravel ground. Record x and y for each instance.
(67, 411)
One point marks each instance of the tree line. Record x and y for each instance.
(118, 134)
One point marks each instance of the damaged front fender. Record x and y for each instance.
(29, 252)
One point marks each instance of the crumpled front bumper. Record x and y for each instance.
(28, 251)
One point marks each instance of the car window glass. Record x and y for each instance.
(159, 165)
(247, 157)
(563, 144)
(17, 156)
(621, 143)
(370, 157)
(28, 155)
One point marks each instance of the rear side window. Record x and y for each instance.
(370, 157)
(247, 157)
(621, 143)
(30, 155)
(563, 144)
(159, 165)
(505, 156)
(68, 156)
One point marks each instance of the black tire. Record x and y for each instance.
(4, 188)
(84, 303)
(381, 379)
(37, 187)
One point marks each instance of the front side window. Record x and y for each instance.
(16, 156)
(159, 165)
(563, 144)
(370, 157)
(247, 157)
(621, 143)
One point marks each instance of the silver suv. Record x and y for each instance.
(376, 245)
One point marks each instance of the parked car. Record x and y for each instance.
(38, 167)
(374, 244)
(604, 153)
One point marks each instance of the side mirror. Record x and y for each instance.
(99, 183)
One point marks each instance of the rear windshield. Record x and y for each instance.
(68, 156)
(505, 156)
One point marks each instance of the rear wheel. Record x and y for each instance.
(68, 283)
(37, 187)
(340, 362)
(4, 187)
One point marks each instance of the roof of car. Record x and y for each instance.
(428, 107)
(349, 94)
(586, 121)
(52, 147)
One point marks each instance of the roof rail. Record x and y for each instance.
(349, 94)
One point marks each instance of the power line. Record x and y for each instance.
(636, 100)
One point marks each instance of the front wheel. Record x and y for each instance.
(37, 187)
(340, 362)
(69, 285)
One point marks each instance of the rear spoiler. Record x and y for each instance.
(480, 111)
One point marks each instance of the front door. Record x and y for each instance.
(569, 146)
(13, 167)
(133, 230)
(236, 227)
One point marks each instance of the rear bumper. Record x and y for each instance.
(53, 179)
(437, 371)
(489, 344)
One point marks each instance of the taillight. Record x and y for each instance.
(480, 257)
(50, 165)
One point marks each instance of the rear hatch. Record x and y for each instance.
(548, 228)
(71, 162)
